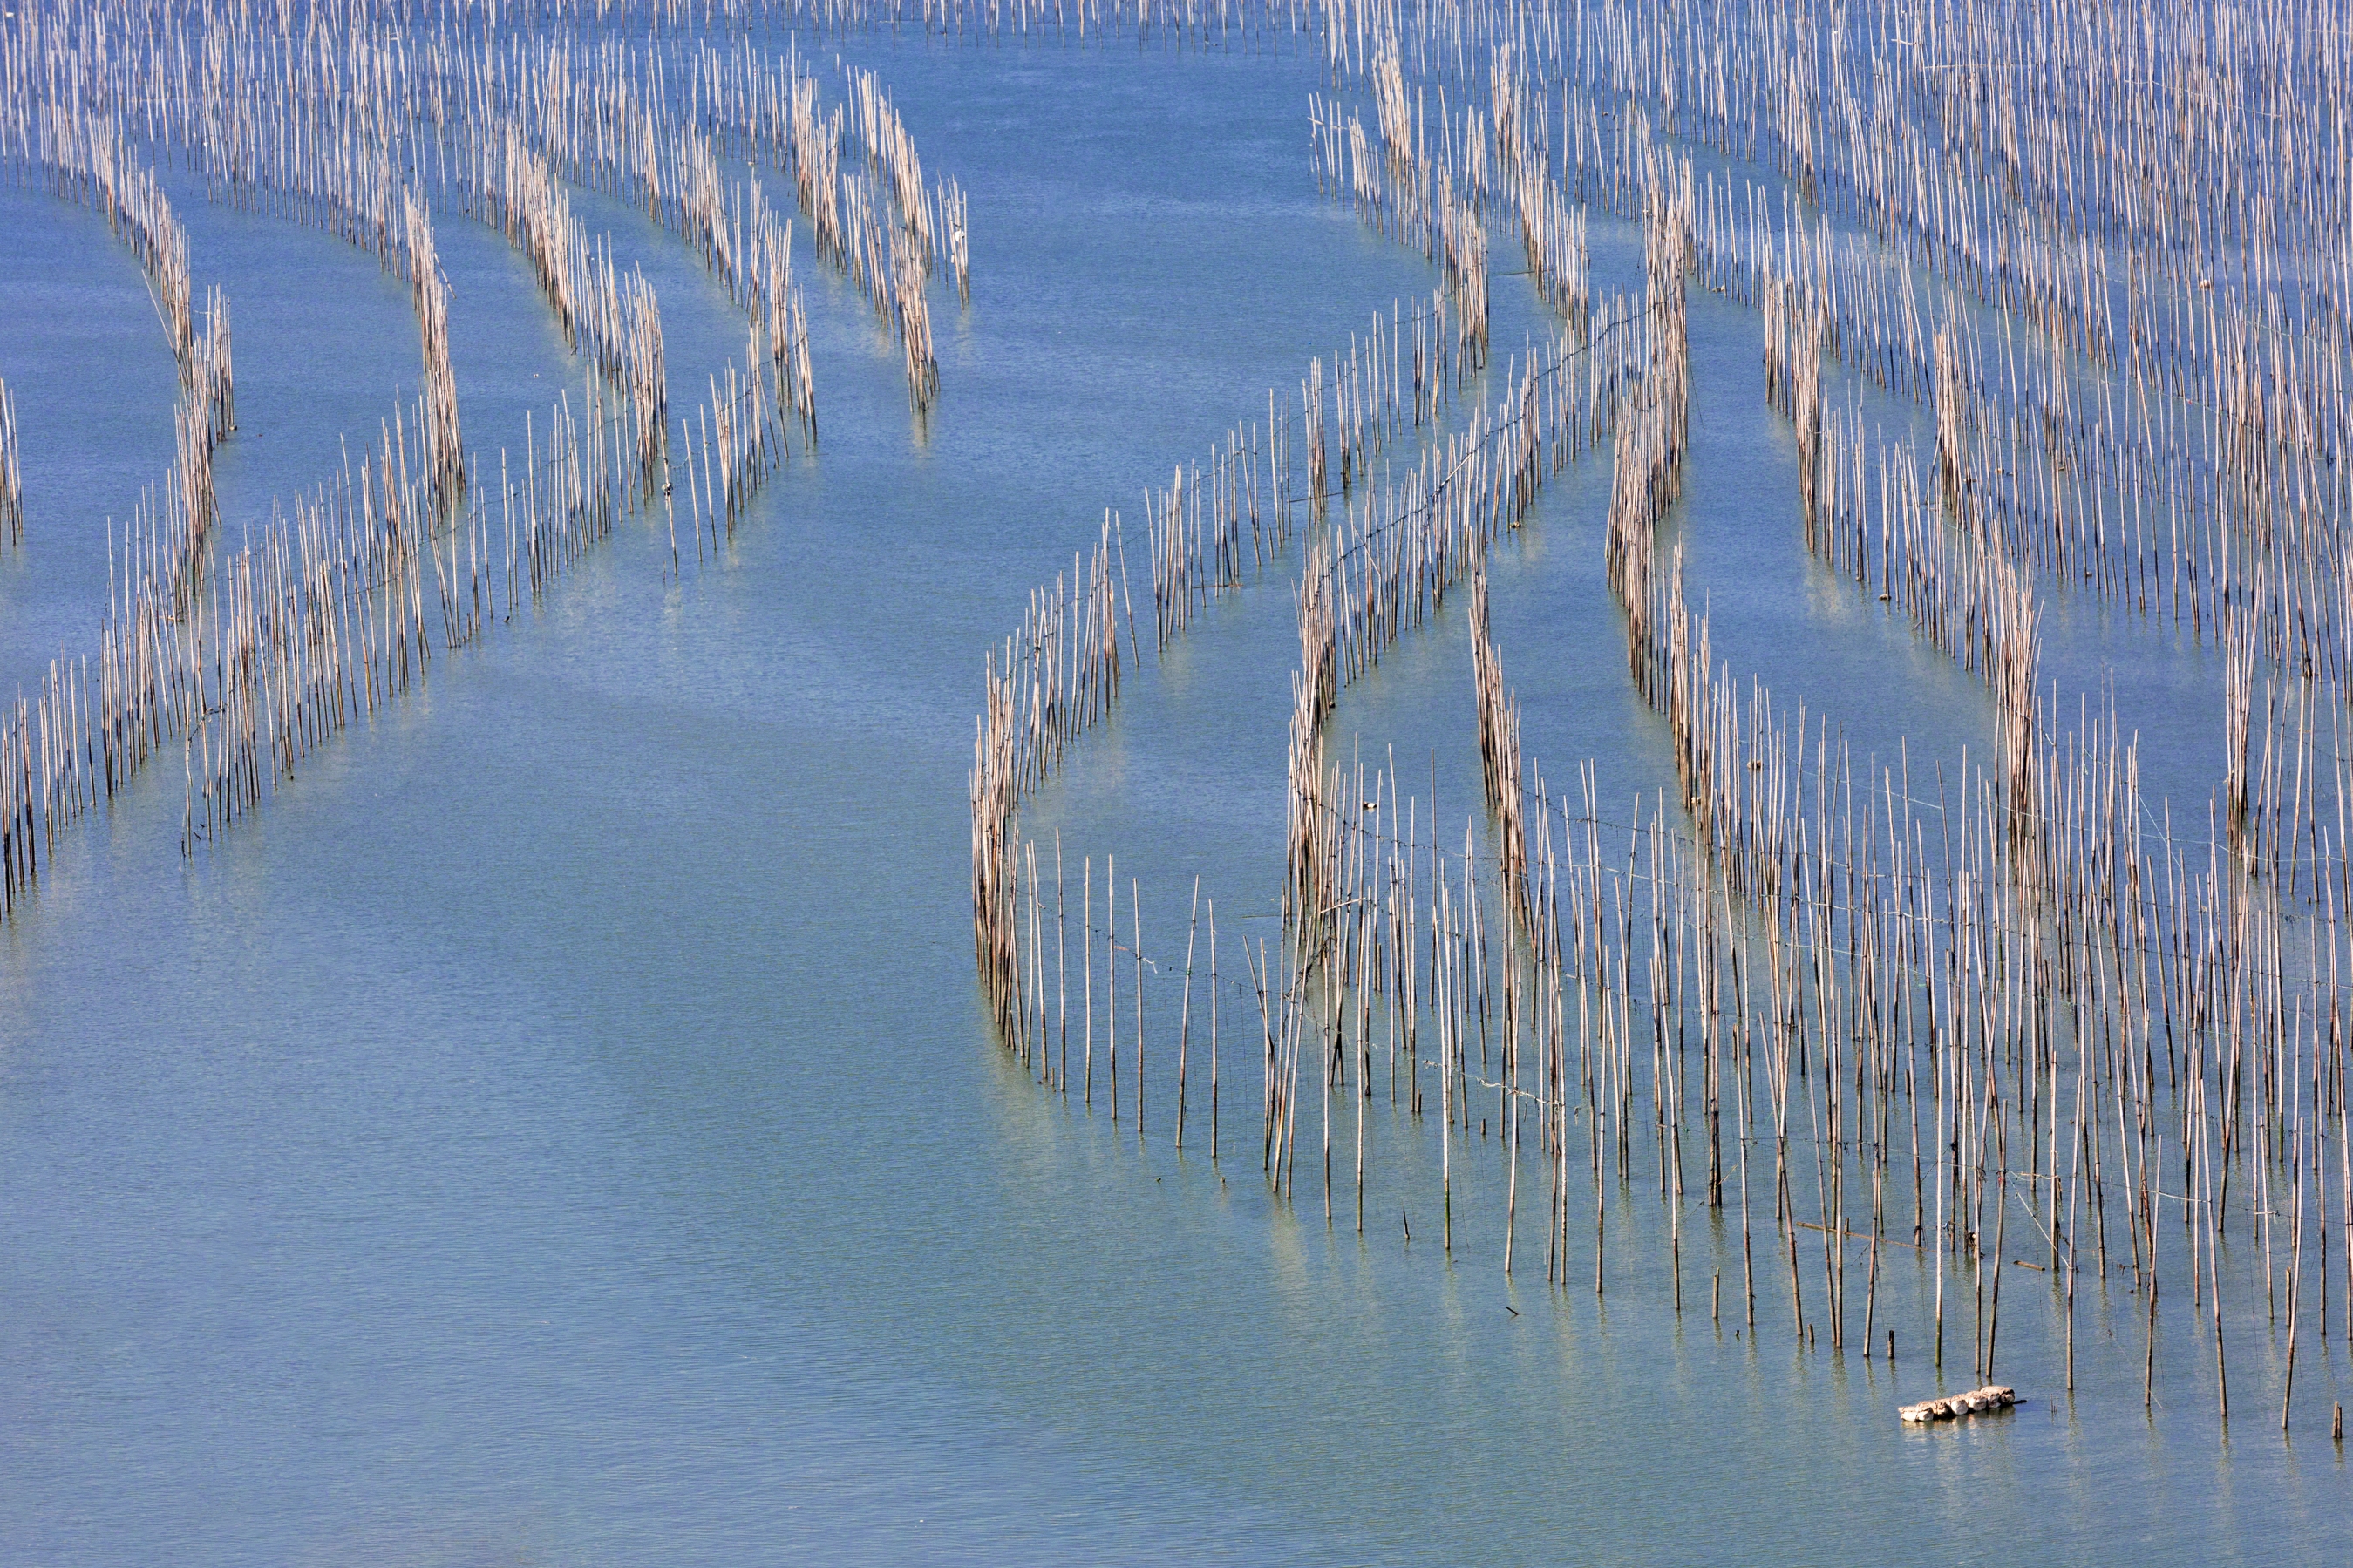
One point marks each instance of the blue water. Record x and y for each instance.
(562, 1126)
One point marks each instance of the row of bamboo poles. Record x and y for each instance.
(1928, 1062)
(2050, 488)
(2101, 480)
(1391, 384)
(1062, 670)
(2131, 488)
(1375, 571)
(12, 478)
(1796, 951)
(1900, 1021)
(2072, 976)
(2142, 129)
(331, 612)
(1809, 983)
(330, 119)
(1942, 547)
(252, 659)
(87, 161)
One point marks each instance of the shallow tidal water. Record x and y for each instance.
(563, 1127)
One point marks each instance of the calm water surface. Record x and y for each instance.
(562, 1127)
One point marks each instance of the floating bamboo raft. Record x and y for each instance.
(1984, 1401)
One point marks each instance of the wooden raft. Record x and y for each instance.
(1976, 1402)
